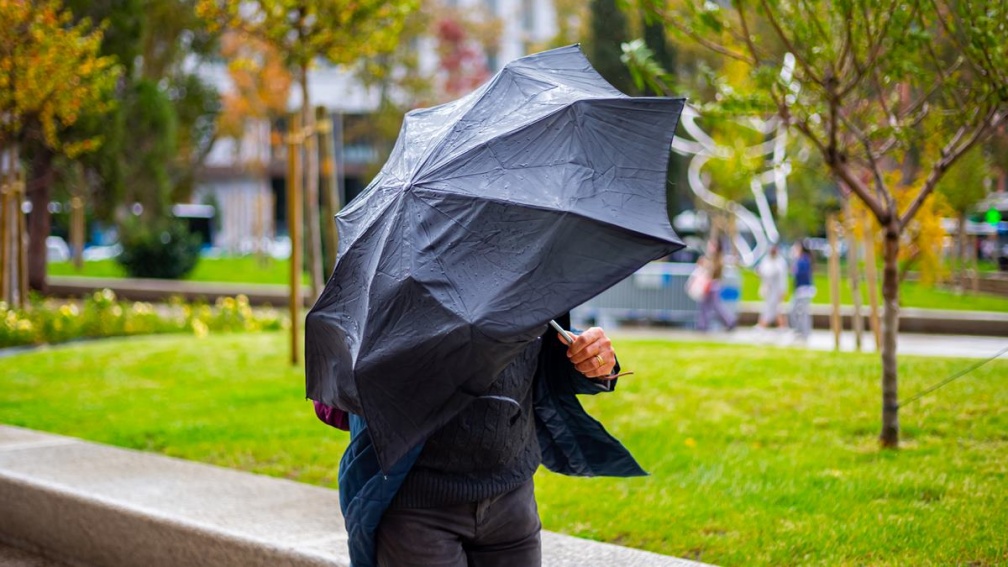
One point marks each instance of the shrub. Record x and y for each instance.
(165, 250)
(15, 327)
(103, 315)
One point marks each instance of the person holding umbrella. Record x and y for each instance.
(495, 215)
(469, 498)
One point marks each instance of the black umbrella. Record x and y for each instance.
(494, 214)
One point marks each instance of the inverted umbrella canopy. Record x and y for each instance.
(494, 214)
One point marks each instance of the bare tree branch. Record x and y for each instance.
(805, 129)
(991, 68)
(837, 162)
(952, 151)
(943, 78)
(746, 35)
(963, 47)
(872, 156)
(880, 93)
(873, 55)
(673, 20)
(875, 205)
(809, 12)
(885, 148)
(846, 46)
(811, 74)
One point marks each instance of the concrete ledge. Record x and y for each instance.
(95, 505)
(140, 289)
(100, 505)
(912, 320)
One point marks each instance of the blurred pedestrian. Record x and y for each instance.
(804, 291)
(773, 274)
(710, 300)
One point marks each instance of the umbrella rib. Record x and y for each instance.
(437, 167)
(534, 206)
(574, 93)
(433, 149)
(440, 262)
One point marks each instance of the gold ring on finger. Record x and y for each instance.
(598, 357)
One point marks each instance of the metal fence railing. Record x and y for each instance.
(655, 293)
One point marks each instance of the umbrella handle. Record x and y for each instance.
(567, 336)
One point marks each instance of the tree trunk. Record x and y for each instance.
(8, 177)
(294, 218)
(854, 273)
(330, 198)
(871, 282)
(890, 330)
(961, 238)
(832, 230)
(311, 198)
(39, 188)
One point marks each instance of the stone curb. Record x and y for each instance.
(912, 320)
(96, 505)
(139, 289)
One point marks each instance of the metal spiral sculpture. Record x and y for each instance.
(703, 148)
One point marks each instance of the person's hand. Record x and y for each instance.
(592, 353)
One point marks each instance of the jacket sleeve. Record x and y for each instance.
(334, 417)
(571, 442)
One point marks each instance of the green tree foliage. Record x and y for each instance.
(878, 87)
(961, 189)
(152, 132)
(196, 105)
(966, 184)
(153, 38)
(340, 31)
(123, 22)
(662, 52)
(609, 31)
(51, 72)
(997, 154)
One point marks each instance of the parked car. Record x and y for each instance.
(102, 252)
(57, 249)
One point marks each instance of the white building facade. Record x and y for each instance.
(244, 179)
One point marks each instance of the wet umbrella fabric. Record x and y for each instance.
(494, 214)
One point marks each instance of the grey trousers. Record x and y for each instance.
(502, 531)
(801, 315)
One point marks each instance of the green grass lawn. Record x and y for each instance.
(757, 456)
(912, 294)
(244, 269)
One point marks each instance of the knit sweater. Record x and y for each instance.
(486, 450)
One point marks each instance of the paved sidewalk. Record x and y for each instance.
(908, 343)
